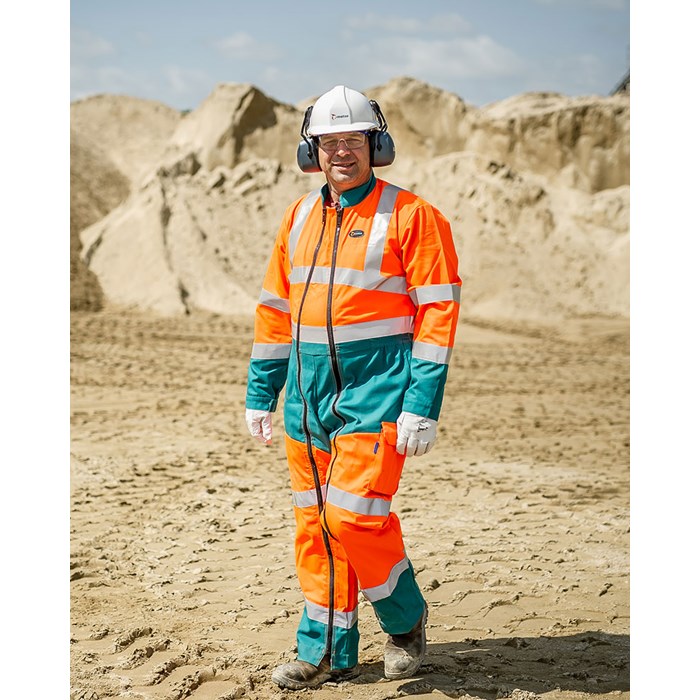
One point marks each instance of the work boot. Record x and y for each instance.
(298, 675)
(404, 653)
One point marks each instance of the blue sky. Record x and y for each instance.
(176, 51)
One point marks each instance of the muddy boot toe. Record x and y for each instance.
(298, 675)
(404, 653)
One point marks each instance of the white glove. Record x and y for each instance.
(415, 434)
(259, 424)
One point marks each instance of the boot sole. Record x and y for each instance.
(334, 676)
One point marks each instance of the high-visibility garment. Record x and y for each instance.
(357, 315)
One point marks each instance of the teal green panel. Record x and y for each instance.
(350, 198)
(375, 376)
(375, 383)
(345, 647)
(311, 640)
(311, 643)
(399, 612)
(316, 381)
(425, 394)
(266, 379)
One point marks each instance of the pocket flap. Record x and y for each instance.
(389, 432)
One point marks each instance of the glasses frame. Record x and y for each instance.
(347, 145)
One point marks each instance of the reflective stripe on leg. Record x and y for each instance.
(398, 603)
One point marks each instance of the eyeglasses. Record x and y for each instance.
(331, 142)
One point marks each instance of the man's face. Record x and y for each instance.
(343, 166)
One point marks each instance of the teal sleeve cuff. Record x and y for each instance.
(266, 380)
(427, 388)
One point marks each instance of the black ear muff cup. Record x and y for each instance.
(307, 150)
(307, 156)
(382, 150)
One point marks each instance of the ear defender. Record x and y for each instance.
(307, 150)
(382, 151)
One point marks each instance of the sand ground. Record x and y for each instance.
(182, 577)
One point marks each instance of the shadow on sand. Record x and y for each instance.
(590, 662)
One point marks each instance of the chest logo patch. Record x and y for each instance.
(356, 233)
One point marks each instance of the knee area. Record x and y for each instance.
(342, 522)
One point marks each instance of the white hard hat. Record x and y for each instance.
(342, 109)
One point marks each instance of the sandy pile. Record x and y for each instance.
(132, 132)
(114, 142)
(96, 187)
(536, 187)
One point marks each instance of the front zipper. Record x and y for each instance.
(338, 386)
(309, 449)
(335, 365)
(333, 353)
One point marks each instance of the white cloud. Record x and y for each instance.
(615, 5)
(272, 73)
(612, 4)
(185, 81)
(240, 41)
(392, 24)
(144, 39)
(386, 23)
(476, 57)
(92, 80)
(84, 44)
(449, 24)
(243, 46)
(443, 61)
(580, 74)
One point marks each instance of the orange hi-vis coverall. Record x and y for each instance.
(357, 316)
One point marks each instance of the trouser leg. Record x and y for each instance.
(364, 476)
(328, 581)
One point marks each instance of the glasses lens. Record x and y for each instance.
(330, 142)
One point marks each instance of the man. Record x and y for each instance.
(357, 316)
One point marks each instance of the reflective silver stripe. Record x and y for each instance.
(349, 277)
(436, 292)
(272, 300)
(433, 353)
(358, 504)
(271, 351)
(384, 590)
(380, 226)
(356, 331)
(370, 280)
(300, 219)
(340, 619)
(304, 499)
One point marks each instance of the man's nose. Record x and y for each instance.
(342, 146)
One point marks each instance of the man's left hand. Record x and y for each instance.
(415, 434)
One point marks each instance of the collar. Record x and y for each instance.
(350, 198)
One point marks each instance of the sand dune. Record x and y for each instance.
(537, 189)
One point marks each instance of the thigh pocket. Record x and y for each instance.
(387, 465)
